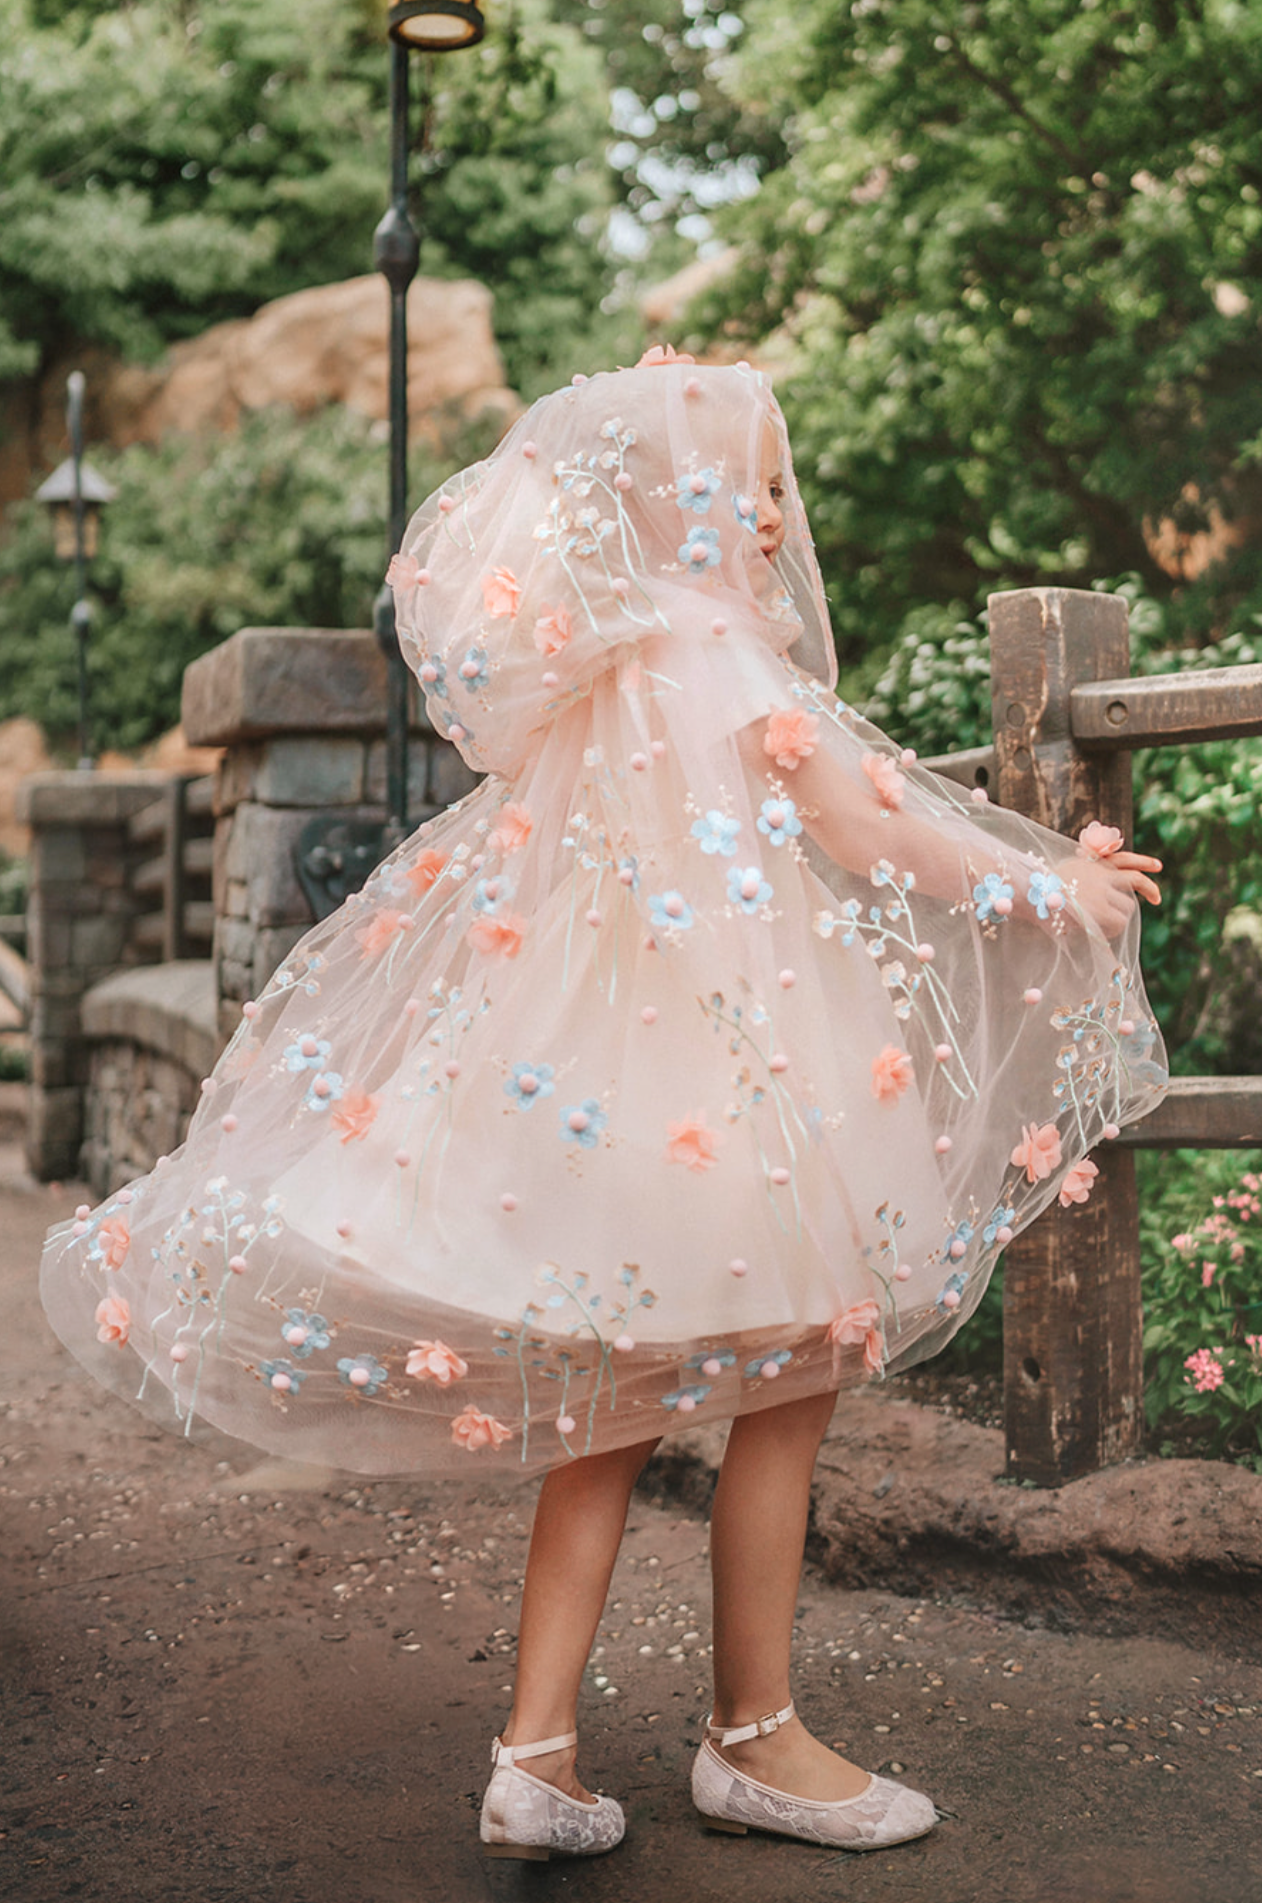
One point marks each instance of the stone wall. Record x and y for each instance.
(300, 714)
(154, 1038)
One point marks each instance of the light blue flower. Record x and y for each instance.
(323, 1090)
(670, 911)
(475, 669)
(686, 1399)
(695, 492)
(308, 1053)
(723, 1356)
(432, 674)
(1042, 887)
(700, 549)
(451, 720)
(779, 821)
(632, 865)
(582, 1123)
(290, 1378)
(954, 1285)
(988, 895)
(490, 894)
(364, 1373)
(717, 833)
(745, 509)
(747, 888)
(780, 1359)
(314, 1331)
(957, 1242)
(529, 1084)
(999, 1218)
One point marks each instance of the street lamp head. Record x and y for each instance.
(58, 495)
(436, 26)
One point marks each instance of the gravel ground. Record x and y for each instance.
(221, 1683)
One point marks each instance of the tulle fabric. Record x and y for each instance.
(640, 1088)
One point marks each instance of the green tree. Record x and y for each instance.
(1020, 248)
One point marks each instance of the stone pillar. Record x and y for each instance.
(301, 713)
(79, 915)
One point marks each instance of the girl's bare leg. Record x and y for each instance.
(579, 1518)
(757, 1536)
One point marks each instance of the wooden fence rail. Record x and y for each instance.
(1065, 718)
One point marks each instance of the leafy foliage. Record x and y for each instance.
(1020, 248)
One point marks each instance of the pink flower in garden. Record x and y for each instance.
(1208, 1271)
(658, 354)
(512, 828)
(376, 935)
(892, 1073)
(1038, 1152)
(1181, 1242)
(498, 935)
(860, 1324)
(1099, 842)
(355, 1114)
(425, 870)
(553, 630)
(1077, 1185)
(501, 592)
(115, 1240)
(791, 737)
(692, 1144)
(435, 1361)
(472, 1430)
(113, 1319)
(1204, 1372)
(887, 781)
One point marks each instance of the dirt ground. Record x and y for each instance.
(218, 1687)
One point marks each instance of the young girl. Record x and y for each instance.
(696, 1066)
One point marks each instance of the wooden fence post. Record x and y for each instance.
(1072, 1310)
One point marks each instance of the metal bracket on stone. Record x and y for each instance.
(335, 857)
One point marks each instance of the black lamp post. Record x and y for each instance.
(76, 495)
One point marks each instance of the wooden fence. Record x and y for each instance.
(1065, 718)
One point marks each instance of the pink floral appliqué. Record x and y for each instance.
(887, 781)
(892, 1073)
(791, 737)
(662, 353)
(692, 1144)
(355, 1114)
(501, 592)
(425, 870)
(472, 1430)
(113, 1319)
(512, 828)
(856, 1325)
(1099, 842)
(376, 935)
(1078, 1184)
(115, 1239)
(498, 935)
(1038, 1152)
(435, 1361)
(553, 631)
(403, 571)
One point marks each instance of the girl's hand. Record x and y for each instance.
(1107, 888)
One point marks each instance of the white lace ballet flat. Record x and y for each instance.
(883, 1813)
(524, 1817)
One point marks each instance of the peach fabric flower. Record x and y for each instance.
(662, 353)
(376, 935)
(354, 1114)
(425, 870)
(887, 781)
(860, 1324)
(435, 1361)
(501, 592)
(498, 935)
(692, 1144)
(791, 736)
(113, 1319)
(403, 571)
(1099, 842)
(472, 1430)
(553, 630)
(1038, 1152)
(1077, 1185)
(892, 1073)
(512, 828)
(115, 1239)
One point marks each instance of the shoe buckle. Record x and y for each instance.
(767, 1725)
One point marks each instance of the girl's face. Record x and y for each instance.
(770, 497)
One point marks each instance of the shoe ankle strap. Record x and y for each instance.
(761, 1727)
(502, 1753)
